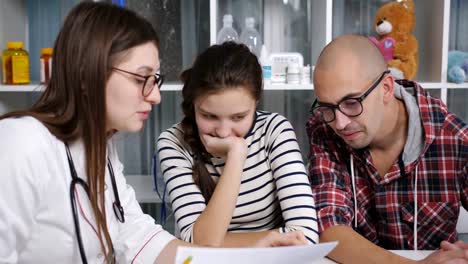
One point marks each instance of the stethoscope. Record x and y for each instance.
(118, 209)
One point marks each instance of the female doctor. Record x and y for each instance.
(63, 196)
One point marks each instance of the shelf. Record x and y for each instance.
(165, 87)
(22, 88)
(285, 86)
(448, 85)
(457, 85)
(144, 188)
(172, 87)
(271, 86)
(40, 88)
(310, 86)
(268, 87)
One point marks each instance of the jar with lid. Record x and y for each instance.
(305, 77)
(293, 73)
(46, 64)
(15, 64)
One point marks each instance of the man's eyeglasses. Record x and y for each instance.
(350, 107)
(149, 81)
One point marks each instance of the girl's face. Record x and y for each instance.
(126, 107)
(226, 113)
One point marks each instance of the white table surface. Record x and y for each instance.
(411, 254)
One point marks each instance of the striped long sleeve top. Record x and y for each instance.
(274, 192)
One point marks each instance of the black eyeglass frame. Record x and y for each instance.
(159, 80)
(316, 105)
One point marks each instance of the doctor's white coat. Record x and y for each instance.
(36, 221)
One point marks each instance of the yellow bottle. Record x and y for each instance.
(15, 63)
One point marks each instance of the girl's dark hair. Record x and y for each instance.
(226, 66)
(94, 38)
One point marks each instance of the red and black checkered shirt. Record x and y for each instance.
(385, 204)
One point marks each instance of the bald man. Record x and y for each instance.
(388, 162)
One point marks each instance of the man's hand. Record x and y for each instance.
(457, 245)
(276, 239)
(222, 147)
(456, 253)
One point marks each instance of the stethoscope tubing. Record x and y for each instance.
(117, 207)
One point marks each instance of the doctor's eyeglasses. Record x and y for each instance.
(351, 106)
(148, 81)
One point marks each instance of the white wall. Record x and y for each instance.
(462, 225)
(13, 27)
(13, 22)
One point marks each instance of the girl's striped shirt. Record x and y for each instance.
(274, 192)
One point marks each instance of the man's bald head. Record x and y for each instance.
(347, 69)
(352, 53)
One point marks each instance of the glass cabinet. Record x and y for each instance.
(458, 40)
(187, 27)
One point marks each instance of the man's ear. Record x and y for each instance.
(388, 88)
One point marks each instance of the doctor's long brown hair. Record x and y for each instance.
(93, 38)
(220, 67)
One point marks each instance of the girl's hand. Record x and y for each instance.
(276, 239)
(223, 147)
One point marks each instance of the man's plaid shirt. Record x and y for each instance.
(386, 203)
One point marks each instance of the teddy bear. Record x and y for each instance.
(394, 22)
(457, 68)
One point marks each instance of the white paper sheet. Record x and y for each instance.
(276, 255)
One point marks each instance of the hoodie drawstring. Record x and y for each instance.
(415, 191)
(415, 227)
(354, 190)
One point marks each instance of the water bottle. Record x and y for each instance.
(227, 33)
(251, 37)
(266, 65)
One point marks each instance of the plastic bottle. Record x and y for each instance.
(266, 65)
(251, 37)
(305, 78)
(15, 64)
(227, 33)
(46, 64)
(293, 73)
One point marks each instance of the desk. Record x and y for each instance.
(411, 254)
